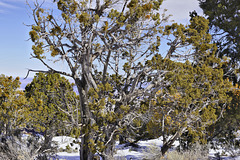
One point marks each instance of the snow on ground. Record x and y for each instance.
(63, 142)
(123, 151)
(139, 152)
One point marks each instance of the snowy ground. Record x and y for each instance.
(63, 142)
(122, 151)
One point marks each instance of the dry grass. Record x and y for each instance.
(197, 152)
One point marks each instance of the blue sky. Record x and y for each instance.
(15, 50)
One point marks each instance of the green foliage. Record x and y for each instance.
(38, 50)
(189, 100)
(228, 125)
(51, 97)
(105, 117)
(195, 34)
(71, 13)
(14, 117)
(34, 36)
(196, 89)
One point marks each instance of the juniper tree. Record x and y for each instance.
(193, 92)
(106, 32)
(53, 107)
(224, 22)
(189, 103)
(107, 46)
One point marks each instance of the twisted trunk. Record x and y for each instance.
(169, 143)
(85, 151)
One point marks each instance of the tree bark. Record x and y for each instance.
(85, 151)
(109, 151)
(166, 146)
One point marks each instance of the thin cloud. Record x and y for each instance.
(5, 5)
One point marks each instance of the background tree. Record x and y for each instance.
(53, 107)
(12, 102)
(12, 119)
(224, 18)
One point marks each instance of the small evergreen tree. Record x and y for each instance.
(52, 110)
(192, 93)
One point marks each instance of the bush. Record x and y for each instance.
(28, 147)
